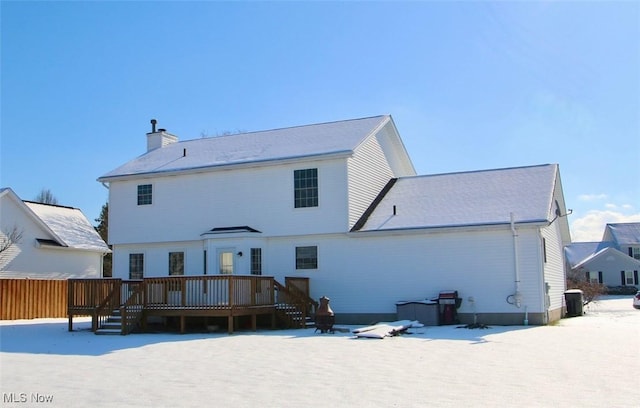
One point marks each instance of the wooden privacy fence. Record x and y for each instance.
(32, 298)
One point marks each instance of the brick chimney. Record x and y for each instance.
(159, 138)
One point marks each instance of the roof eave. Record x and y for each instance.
(452, 227)
(219, 167)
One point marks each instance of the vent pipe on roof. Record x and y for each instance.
(153, 125)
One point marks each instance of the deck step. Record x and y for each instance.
(105, 331)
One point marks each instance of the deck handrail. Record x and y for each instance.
(88, 293)
(131, 310)
(297, 298)
(300, 297)
(107, 306)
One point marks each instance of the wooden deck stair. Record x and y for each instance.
(293, 317)
(113, 324)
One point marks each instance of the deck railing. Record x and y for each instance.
(87, 294)
(208, 292)
(229, 295)
(132, 293)
(193, 292)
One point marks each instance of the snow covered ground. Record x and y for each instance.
(588, 361)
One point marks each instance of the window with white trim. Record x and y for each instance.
(176, 263)
(307, 257)
(145, 194)
(136, 266)
(629, 278)
(256, 261)
(305, 188)
(594, 277)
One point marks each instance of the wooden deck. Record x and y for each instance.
(228, 296)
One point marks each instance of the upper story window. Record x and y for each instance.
(145, 194)
(136, 266)
(305, 188)
(634, 252)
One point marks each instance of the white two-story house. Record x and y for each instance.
(341, 204)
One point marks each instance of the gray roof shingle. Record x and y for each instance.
(465, 199)
(270, 145)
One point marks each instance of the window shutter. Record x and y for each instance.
(622, 277)
(635, 277)
(631, 252)
(600, 277)
(586, 276)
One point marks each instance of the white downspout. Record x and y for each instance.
(517, 297)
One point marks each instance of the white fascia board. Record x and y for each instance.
(68, 248)
(221, 167)
(450, 228)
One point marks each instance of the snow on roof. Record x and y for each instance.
(464, 199)
(609, 251)
(577, 252)
(278, 144)
(70, 225)
(625, 233)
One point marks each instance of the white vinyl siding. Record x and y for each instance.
(257, 197)
(553, 268)
(369, 172)
(372, 272)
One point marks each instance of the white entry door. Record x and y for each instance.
(225, 261)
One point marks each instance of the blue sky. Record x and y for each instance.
(470, 85)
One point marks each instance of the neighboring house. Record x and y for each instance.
(615, 261)
(341, 203)
(56, 242)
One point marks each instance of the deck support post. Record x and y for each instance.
(182, 324)
(70, 322)
(230, 322)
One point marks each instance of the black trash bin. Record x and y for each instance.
(574, 299)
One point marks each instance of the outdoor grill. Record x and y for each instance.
(324, 316)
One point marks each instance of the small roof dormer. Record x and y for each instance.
(159, 138)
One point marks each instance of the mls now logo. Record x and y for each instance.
(10, 397)
(22, 397)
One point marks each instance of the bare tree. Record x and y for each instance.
(9, 238)
(46, 197)
(591, 291)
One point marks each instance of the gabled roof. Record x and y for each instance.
(577, 252)
(466, 199)
(621, 259)
(66, 227)
(624, 233)
(332, 138)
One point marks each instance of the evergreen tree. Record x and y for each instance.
(103, 230)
